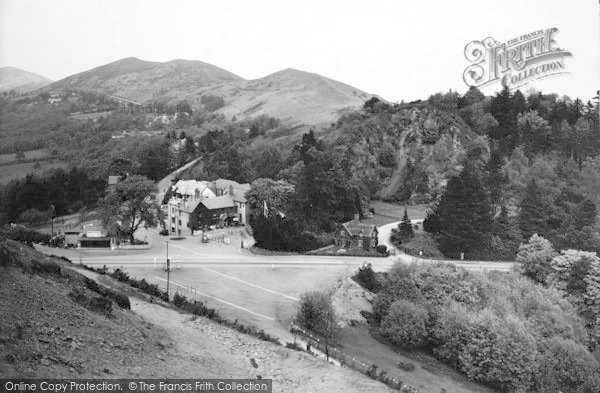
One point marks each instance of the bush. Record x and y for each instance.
(406, 366)
(164, 232)
(366, 278)
(24, 235)
(406, 324)
(535, 258)
(212, 103)
(316, 313)
(500, 329)
(382, 249)
(178, 300)
(564, 364)
(34, 216)
(281, 234)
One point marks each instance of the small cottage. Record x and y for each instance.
(356, 235)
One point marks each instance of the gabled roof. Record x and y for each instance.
(354, 228)
(189, 206)
(239, 190)
(219, 202)
(189, 187)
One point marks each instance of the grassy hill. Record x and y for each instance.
(295, 96)
(53, 325)
(143, 81)
(20, 81)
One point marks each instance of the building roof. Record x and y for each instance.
(355, 227)
(239, 190)
(190, 187)
(220, 202)
(189, 206)
(112, 180)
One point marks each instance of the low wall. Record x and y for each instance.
(132, 247)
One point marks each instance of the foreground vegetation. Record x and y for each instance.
(497, 328)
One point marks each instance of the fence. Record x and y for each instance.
(371, 370)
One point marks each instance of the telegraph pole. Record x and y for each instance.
(168, 270)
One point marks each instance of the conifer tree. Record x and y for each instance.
(405, 229)
(534, 212)
(462, 218)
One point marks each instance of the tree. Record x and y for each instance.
(277, 195)
(502, 109)
(278, 233)
(565, 364)
(129, 205)
(406, 324)
(534, 132)
(316, 313)
(585, 214)
(462, 217)
(506, 237)
(495, 180)
(154, 159)
(404, 230)
(536, 258)
(534, 212)
(590, 181)
(577, 274)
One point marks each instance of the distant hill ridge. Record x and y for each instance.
(21, 81)
(295, 96)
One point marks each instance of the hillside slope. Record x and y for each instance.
(142, 81)
(291, 95)
(45, 333)
(20, 81)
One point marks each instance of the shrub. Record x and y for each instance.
(49, 267)
(564, 364)
(406, 324)
(316, 313)
(100, 304)
(499, 352)
(281, 234)
(34, 216)
(535, 258)
(179, 300)
(382, 249)
(24, 235)
(294, 346)
(366, 278)
(406, 366)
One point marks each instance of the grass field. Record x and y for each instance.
(386, 212)
(20, 170)
(40, 154)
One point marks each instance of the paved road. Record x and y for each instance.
(260, 290)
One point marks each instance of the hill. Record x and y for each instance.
(53, 325)
(291, 95)
(144, 81)
(20, 81)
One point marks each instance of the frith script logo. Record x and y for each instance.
(516, 62)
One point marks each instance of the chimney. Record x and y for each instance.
(356, 217)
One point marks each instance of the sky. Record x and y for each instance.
(399, 50)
